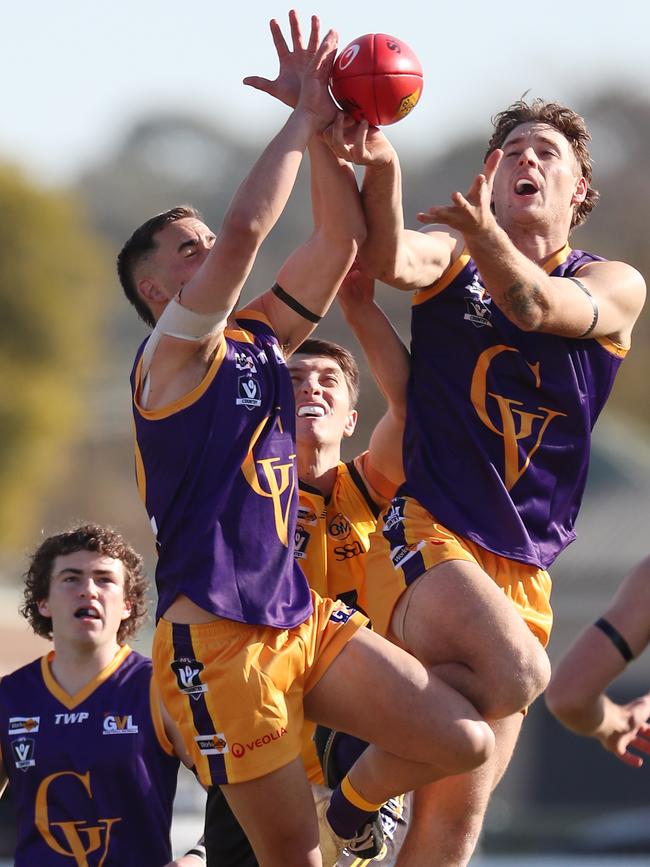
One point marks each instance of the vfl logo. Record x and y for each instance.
(188, 676)
(477, 310)
(249, 393)
(339, 526)
(245, 362)
(23, 725)
(74, 839)
(517, 424)
(280, 479)
(301, 540)
(23, 750)
(394, 515)
(348, 57)
(119, 725)
(212, 745)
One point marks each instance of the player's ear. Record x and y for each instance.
(350, 423)
(581, 190)
(150, 291)
(43, 608)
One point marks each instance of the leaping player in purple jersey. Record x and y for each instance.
(516, 340)
(242, 645)
(88, 750)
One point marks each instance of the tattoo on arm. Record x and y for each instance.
(525, 304)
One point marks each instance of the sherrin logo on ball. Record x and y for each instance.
(378, 78)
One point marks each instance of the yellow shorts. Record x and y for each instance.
(408, 542)
(236, 690)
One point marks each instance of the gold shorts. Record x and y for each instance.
(236, 690)
(409, 541)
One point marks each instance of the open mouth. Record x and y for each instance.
(311, 410)
(526, 187)
(90, 613)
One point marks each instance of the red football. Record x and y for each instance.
(377, 77)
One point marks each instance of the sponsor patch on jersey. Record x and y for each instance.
(249, 392)
(339, 527)
(23, 750)
(212, 745)
(341, 614)
(243, 361)
(188, 676)
(307, 515)
(119, 724)
(400, 555)
(23, 725)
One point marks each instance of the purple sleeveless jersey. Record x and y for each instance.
(217, 473)
(499, 420)
(90, 780)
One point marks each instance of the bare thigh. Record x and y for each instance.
(278, 816)
(382, 694)
(459, 623)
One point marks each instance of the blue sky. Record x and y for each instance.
(77, 73)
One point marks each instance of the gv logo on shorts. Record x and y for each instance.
(188, 676)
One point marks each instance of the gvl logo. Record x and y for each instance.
(119, 725)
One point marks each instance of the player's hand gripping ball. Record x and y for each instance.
(377, 78)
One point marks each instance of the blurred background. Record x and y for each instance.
(113, 112)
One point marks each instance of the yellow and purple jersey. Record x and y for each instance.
(216, 470)
(93, 775)
(499, 420)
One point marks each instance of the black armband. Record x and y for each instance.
(582, 286)
(198, 850)
(295, 305)
(615, 637)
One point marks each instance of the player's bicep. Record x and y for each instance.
(605, 300)
(422, 258)
(384, 467)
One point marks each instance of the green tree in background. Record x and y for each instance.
(53, 276)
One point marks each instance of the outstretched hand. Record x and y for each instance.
(470, 213)
(293, 62)
(632, 730)
(359, 143)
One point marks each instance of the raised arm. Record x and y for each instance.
(398, 256)
(576, 694)
(527, 295)
(311, 276)
(389, 363)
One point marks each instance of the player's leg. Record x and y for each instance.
(447, 816)
(226, 844)
(277, 815)
(419, 728)
(460, 624)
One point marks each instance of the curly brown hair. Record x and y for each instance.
(87, 537)
(567, 122)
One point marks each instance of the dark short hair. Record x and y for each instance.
(345, 360)
(142, 242)
(88, 537)
(567, 122)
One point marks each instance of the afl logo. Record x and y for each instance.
(348, 56)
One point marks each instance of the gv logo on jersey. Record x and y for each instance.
(75, 839)
(250, 393)
(23, 750)
(517, 425)
(24, 725)
(188, 676)
(278, 479)
(119, 725)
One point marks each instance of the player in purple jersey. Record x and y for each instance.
(241, 644)
(516, 339)
(576, 693)
(85, 744)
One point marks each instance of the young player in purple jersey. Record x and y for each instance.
(516, 339)
(86, 747)
(576, 694)
(241, 644)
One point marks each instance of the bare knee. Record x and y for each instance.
(470, 743)
(516, 681)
